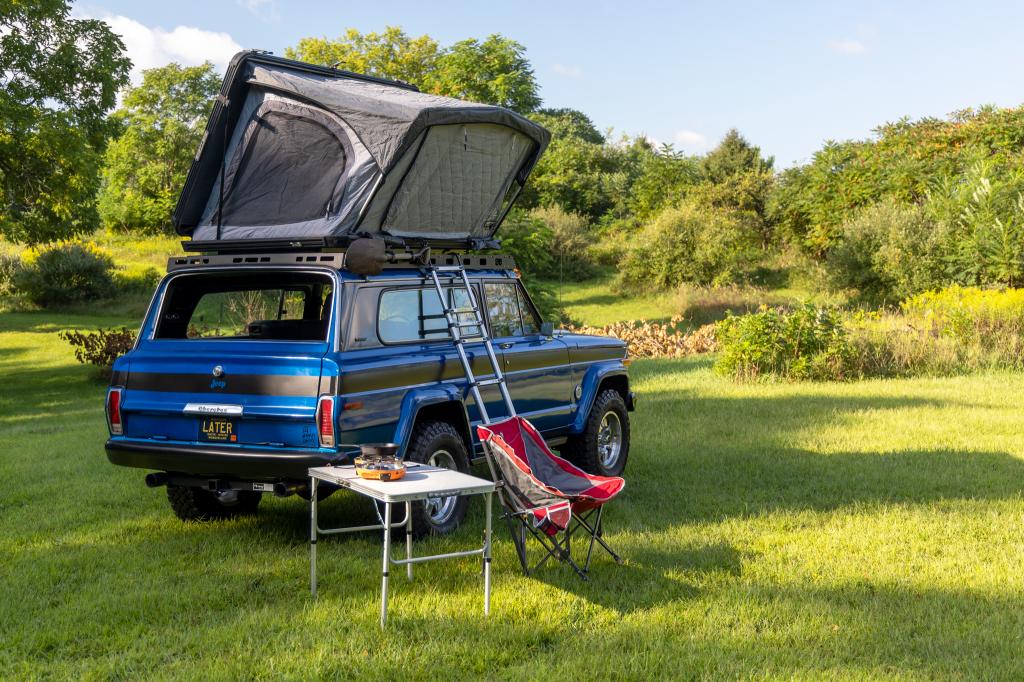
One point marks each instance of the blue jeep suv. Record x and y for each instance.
(306, 323)
(247, 373)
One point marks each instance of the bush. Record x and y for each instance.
(571, 239)
(9, 265)
(137, 281)
(101, 348)
(69, 273)
(887, 252)
(807, 343)
(689, 244)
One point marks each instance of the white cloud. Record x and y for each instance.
(690, 140)
(847, 46)
(264, 10)
(567, 70)
(149, 47)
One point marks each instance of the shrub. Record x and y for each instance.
(69, 273)
(9, 265)
(571, 239)
(137, 281)
(807, 343)
(887, 252)
(101, 348)
(691, 243)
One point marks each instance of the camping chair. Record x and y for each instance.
(545, 495)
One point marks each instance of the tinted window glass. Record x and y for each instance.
(503, 309)
(416, 315)
(531, 323)
(284, 306)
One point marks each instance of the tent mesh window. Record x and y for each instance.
(288, 168)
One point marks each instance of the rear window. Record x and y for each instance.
(275, 306)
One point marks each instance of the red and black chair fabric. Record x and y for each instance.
(545, 495)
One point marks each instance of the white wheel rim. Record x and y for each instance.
(609, 439)
(440, 509)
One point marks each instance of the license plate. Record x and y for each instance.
(218, 430)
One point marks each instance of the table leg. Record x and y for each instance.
(487, 558)
(386, 565)
(408, 539)
(312, 536)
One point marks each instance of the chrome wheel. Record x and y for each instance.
(609, 440)
(440, 509)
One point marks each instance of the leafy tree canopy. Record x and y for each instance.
(391, 54)
(493, 71)
(162, 122)
(59, 77)
(732, 156)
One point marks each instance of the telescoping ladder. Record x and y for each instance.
(462, 331)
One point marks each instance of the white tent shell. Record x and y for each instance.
(296, 151)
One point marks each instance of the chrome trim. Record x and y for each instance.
(213, 409)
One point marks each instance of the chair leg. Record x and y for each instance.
(518, 534)
(596, 532)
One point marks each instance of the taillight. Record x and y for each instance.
(114, 411)
(325, 421)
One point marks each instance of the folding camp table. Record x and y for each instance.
(421, 482)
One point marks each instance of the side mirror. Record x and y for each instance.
(547, 328)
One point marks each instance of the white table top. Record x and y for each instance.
(420, 482)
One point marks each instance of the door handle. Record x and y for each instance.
(505, 345)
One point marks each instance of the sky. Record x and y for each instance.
(788, 75)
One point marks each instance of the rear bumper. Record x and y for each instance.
(271, 465)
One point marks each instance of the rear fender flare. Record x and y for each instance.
(591, 385)
(416, 400)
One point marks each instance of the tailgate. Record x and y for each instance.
(233, 396)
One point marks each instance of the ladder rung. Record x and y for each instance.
(448, 268)
(488, 382)
(461, 311)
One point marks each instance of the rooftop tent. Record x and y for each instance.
(295, 151)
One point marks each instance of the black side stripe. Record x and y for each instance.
(258, 384)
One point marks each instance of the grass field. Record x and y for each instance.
(867, 530)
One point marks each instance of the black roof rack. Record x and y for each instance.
(242, 246)
(336, 260)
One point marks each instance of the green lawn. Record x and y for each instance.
(868, 530)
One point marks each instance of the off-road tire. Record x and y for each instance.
(197, 504)
(583, 450)
(430, 438)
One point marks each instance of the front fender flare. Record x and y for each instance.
(591, 384)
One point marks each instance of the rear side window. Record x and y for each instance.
(287, 306)
(415, 315)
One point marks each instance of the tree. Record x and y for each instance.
(733, 155)
(162, 124)
(495, 71)
(59, 77)
(574, 171)
(492, 71)
(391, 54)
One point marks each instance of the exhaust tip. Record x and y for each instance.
(155, 480)
(283, 490)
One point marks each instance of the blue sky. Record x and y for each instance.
(787, 75)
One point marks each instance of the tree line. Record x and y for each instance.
(919, 205)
